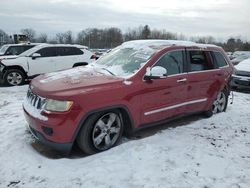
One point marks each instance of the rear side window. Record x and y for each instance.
(199, 61)
(173, 62)
(219, 59)
(47, 52)
(66, 51)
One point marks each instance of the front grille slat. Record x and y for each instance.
(35, 100)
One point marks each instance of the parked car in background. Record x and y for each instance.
(100, 52)
(10, 51)
(41, 59)
(137, 84)
(241, 76)
(240, 58)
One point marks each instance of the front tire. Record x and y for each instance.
(14, 77)
(100, 132)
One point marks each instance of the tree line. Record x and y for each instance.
(112, 37)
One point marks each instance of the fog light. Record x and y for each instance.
(47, 130)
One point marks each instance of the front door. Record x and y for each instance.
(164, 98)
(43, 64)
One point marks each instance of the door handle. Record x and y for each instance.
(181, 80)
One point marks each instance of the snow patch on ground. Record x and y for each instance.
(212, 152)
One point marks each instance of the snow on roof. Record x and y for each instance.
(138, 44)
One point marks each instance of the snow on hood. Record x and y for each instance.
(244, 65)
(79, 79)
(73, 74)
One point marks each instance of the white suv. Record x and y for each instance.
(41, 59)
(11, 51)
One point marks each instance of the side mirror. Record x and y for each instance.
(35, 55)
(156, 72)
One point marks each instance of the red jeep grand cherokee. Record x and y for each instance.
(137, 84)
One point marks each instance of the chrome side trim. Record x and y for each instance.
(174, 106)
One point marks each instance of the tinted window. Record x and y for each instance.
(219, 59)
(173, 62)
(198, 61)
(47, 52)
(65, 51)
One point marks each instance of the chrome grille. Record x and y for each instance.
(35, 100)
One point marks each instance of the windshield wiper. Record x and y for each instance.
(109, 71)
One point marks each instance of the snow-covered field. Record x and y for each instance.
(212, 152)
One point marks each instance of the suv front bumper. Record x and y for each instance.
(57, 133)
(64, 148)
(240, 82)
(1, 71)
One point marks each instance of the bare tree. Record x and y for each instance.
(60, 38)
(43, 38)
(4, 38)
(30, 33)
(68, 38)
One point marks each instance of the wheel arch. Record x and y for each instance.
(127, 119)
(15, 67)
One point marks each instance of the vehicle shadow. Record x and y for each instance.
(147, 132)
(6, 86)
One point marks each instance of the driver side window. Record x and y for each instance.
(173, 62)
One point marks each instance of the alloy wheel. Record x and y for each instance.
(106, 131)
(14, 78)
(219, 103)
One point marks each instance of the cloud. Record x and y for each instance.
(220, 18)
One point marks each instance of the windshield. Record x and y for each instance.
(3, 49)
(30, 51)
(124, 61)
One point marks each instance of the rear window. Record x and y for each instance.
(199, 61)
(219, 59)
(47, 52)
(66, 51)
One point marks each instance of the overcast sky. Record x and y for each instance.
(220, 18)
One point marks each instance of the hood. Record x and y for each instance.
(244, 65)
(72, 81)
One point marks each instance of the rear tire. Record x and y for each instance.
(14, 77)
(100, 132)
(219, 104)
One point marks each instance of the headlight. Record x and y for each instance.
(57, 106)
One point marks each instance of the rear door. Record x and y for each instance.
(67, 57)
(204, 79)
(166, 97)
